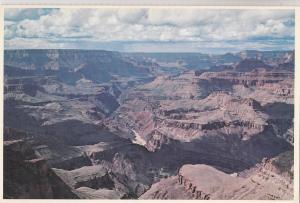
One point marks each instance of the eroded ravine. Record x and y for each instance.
(116, 139)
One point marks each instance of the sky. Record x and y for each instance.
(150, 29)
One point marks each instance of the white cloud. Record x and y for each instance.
(152, 24)
(17, 14)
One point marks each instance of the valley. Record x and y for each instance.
(111, 125)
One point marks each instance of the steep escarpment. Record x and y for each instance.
(29, 176)
(107, 125)
(249, 64)
(160, 109)
(259, 79)
(94, 65)
(205, 182)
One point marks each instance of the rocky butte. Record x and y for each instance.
(95, 124)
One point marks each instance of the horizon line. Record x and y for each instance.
(143, 52)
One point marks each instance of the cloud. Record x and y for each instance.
(18, 14)
(138, 25)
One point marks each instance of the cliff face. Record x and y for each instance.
(85, 62)
(188, 107)
(205, 182)
(27, 176)
(260, 79)
(106, 125)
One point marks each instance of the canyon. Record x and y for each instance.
(95, 124)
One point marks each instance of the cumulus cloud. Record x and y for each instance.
(138, 25)
(17, 14)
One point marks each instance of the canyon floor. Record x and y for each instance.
(109, 125)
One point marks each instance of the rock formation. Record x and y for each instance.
(205, 182)
(109, 125)
(28, 176)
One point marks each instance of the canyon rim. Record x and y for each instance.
(149, 103)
